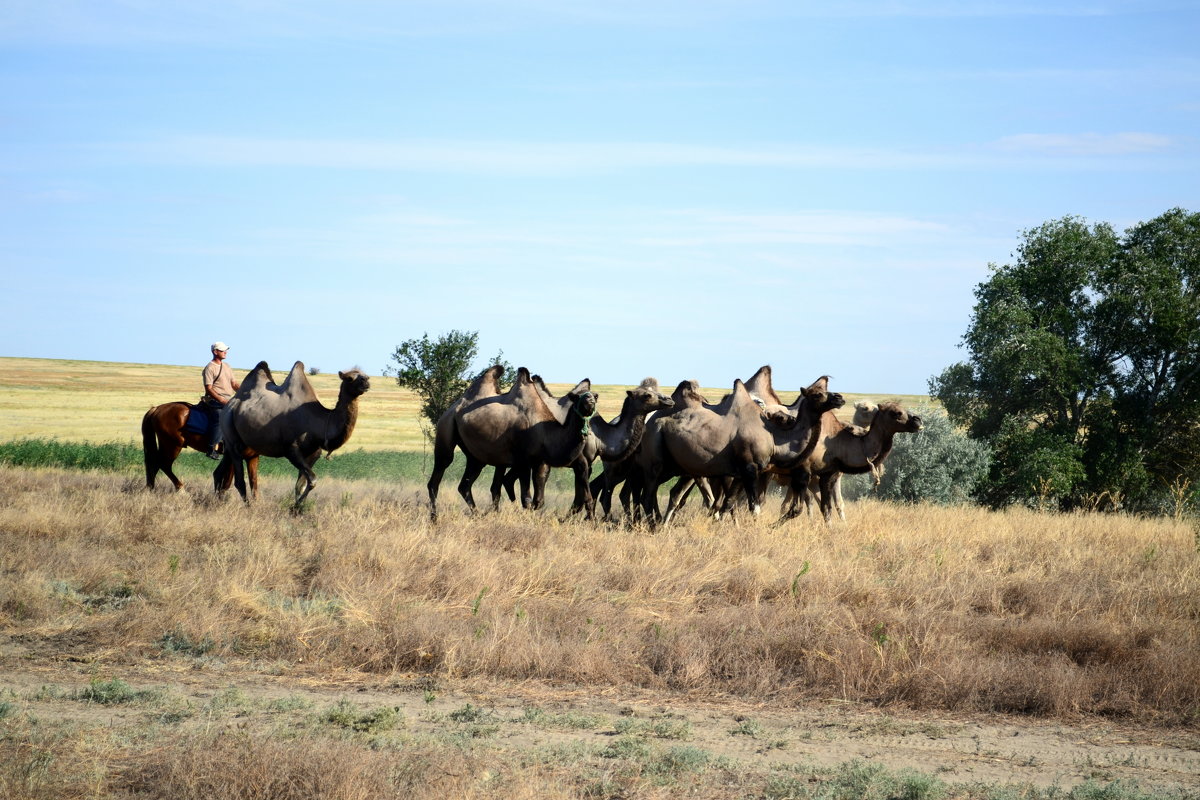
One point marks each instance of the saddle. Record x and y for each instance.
(200, 418)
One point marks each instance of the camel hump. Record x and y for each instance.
(649, 383)
(296, 386)
(583, 386)
(760, 385)
(523, 377)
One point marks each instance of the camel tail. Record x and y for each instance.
(150, 447)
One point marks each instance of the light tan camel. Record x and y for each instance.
(740, 442)
(864, 413)
(517, 429)
(286, 421)
(843, 448)
(725, 490)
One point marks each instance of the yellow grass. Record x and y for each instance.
(95, 401)
(933, 608)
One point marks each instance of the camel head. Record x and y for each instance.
(864, 412)
(688, 391)
(585, 405)
(355, 383)
(646, 397)
(894, 419)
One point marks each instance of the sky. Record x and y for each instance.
(686, 189)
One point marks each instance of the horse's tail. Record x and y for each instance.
(150, 447)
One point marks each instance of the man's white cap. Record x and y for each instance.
(219, 346)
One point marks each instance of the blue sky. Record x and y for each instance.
(602, 189)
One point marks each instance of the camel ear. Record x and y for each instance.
(629, 392)
(341, 375)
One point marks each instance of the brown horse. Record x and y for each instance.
(164, 437)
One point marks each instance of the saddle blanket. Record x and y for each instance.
(197, 420)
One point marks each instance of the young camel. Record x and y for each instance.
(844, 448)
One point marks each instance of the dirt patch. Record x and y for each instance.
(527, 716)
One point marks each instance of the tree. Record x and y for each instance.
(1083, 372)
(438, 370)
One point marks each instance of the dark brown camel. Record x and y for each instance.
(617, 440)
(286, 421)
(164, 437)
(517, 429)
(740, 442)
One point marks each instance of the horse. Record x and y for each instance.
(164, 437)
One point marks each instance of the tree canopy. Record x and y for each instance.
(439, 370)
(1083, 368)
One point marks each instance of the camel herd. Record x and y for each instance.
(726, 449)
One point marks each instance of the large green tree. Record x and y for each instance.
(1083, 369)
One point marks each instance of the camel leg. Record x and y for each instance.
(827, 495)
(583, 488)
(497, 487)
(678, 495)
(470, 474)
(836, 489)
(540, 474)
(749, 476)
(306, 480)
(797, 491)
(602, 492)
(442, 457)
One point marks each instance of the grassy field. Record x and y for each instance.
(166, 645)
(94, 401)
(155, 644)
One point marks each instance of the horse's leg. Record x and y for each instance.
(252, 469)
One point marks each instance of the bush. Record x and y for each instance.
(938, 465)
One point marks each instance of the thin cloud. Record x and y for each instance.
(512, 157)
(1086, 144)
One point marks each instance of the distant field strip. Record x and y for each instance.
(100, 402)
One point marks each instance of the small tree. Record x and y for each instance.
(439, 370)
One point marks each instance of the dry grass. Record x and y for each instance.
(931, 608)
(94, 401)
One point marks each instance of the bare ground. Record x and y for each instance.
(993, 750)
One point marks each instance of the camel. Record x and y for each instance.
(518, 429)
(486, 384)
(615, 441)
(740, 442)
(164, 435)
(843, 448)
(864, 412)
(725, 489)
(624, 472)
(286, 421)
